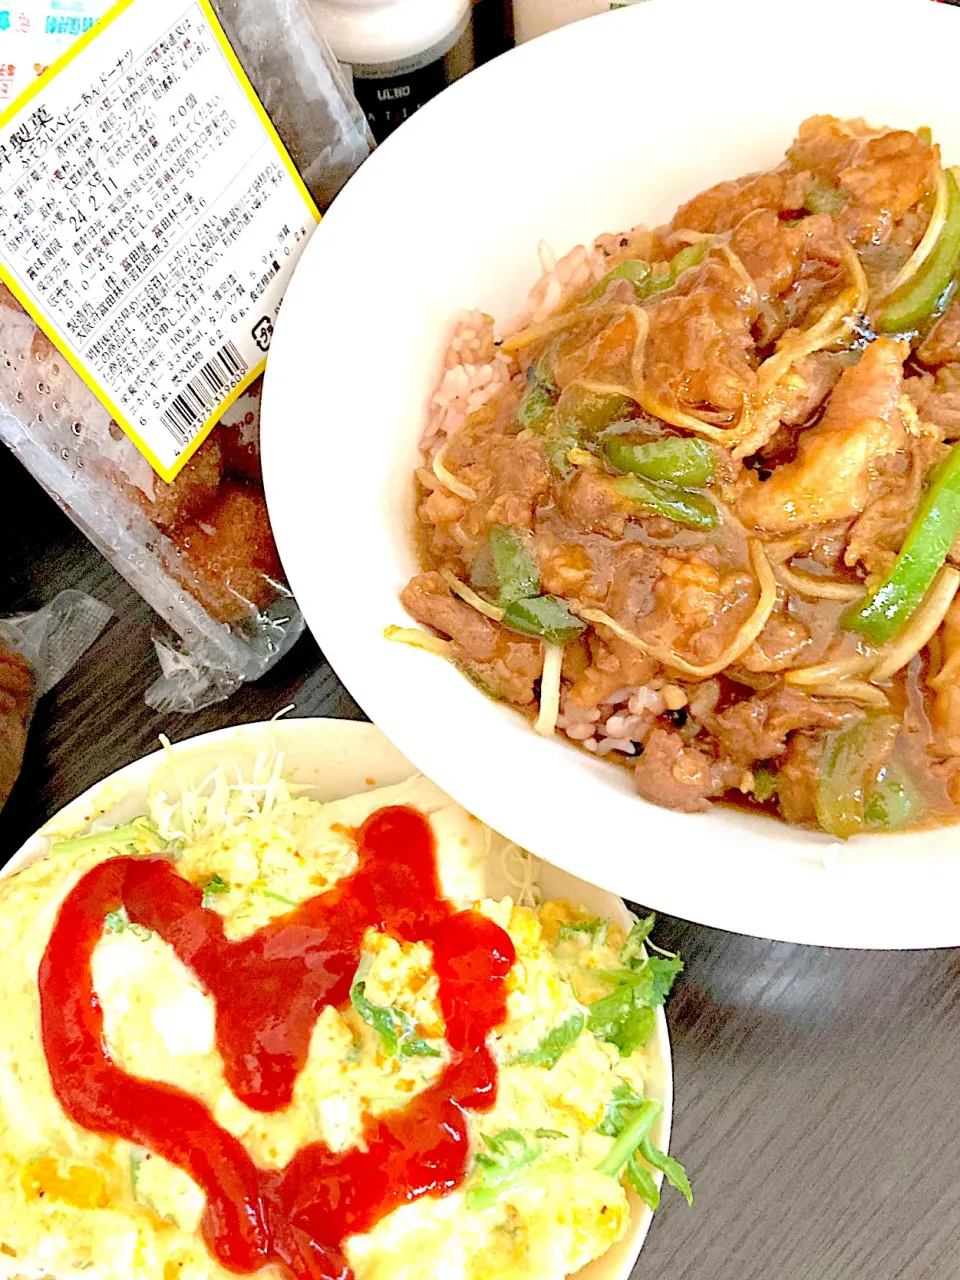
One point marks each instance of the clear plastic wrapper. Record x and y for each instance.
(302, 88)
(36, 652)
(199, 550)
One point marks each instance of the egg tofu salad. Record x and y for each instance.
(541, 1187)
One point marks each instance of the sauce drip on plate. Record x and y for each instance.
(269, 990)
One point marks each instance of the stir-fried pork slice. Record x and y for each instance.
(720, 208)
(882, 174)
(698, 350)
(878, 533)
(936, 399)
(942, 344)
(758, 728)
(797, 775)
(677, 776)
(778, 646)
(842, 463)
(889, 169)
(489, 457)
(811, 380)
(794, 268)
(613, 664)
(593, 504)
(506, 665)
(690, 602)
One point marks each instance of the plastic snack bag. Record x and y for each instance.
(198, 549)
(36, 652)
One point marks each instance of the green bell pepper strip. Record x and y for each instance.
(539, 401)
(641, 275)
(689, 257)
(690, 463)
(849, 769)
(544, 616)
(915, 300)
(893, 803)
(634, 270)
(821, 197)
(516, 571)
(536, 408)
(555, 450)
(585, 414)
(676, 504)
(932, 533)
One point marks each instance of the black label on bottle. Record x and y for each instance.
(388, 102)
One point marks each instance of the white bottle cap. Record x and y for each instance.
(373, 32)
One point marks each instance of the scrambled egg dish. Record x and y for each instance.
(545, 1192)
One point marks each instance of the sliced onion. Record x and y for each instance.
(550, 689)
(418, 639)
(448, 479)
(930, 237)
(470, 597)
(838, 668)
(816, 588)
(849, 690)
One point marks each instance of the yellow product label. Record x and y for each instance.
(150, 220)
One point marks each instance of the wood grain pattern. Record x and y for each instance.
(817, 1092)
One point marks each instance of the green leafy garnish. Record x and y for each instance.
(629, 1118)
(396, 1029)
(213, 888)
(595, 930)
(551, 1048)
(671, 1169)
(626, 1017)
(500, 1167)
(119, 922)
(632, 952)
(664, 971)
(620, 1108)
(548, 1133)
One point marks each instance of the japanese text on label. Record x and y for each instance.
(151, 221)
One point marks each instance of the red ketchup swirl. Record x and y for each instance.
(269, 990)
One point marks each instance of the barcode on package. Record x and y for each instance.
(150, 219)
(199, 398)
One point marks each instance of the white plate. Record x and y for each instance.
(596, 127)
(341, 758)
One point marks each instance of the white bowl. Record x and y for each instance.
(341, 758)
(596, 127)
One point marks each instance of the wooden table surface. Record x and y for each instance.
(817, 1092)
